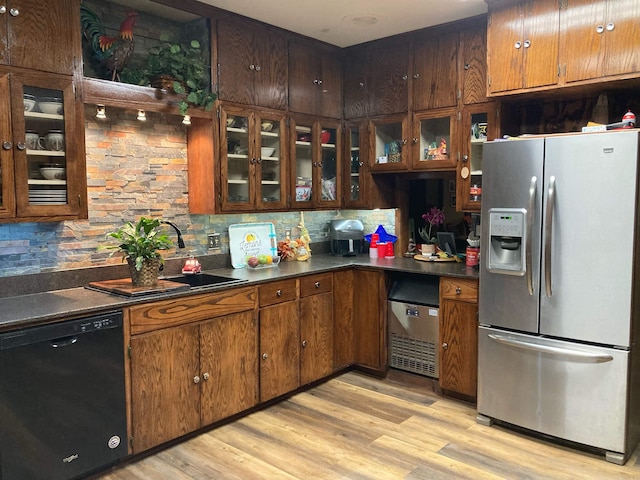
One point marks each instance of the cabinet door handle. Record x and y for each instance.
(304, 344)
(258, 160)
(278, 293)
(7, 145)
(265, 356)
(405, 76)
(21, 145)
(600, 29)
(416, 75)
(467, 66)
(518, 44)
(317, 284)
(527, 43)
(445, 346)
(196, 379)
(458, 290)
(252, 67)
(3, 9)
(14, 12)
(257, 68)
(610, 26)
(465, 158)
(414, 140)
(361, 84)
(205, 376)
(403, 141)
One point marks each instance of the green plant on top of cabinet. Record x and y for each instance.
(315, 80)
(315, 162)
(42, 156)
(522, 46)
(252, 159)
(37, 36)
(599, 38)
(252, 64)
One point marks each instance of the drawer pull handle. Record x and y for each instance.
(317, 284)
(458, 290)
(279, 293)
(445, 346)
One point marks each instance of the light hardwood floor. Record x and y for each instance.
(359, 427)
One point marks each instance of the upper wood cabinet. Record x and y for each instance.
(600, 38)
(522, 46)
(252, 64)
(37, 35)
(355, 84)
(473, 60)
(37, 109)
(435, 71)
(388, 79)
(315, 80)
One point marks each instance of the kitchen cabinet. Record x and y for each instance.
(193, 360)
(360, 328)
(354, 175)
(473, 58)
(435, 71)
(458, 335)
(316, 327)
(253, 170)
(315, 80)
(479, 124)
(252, 64)
(41, 126)
(355, 83)
(315, 162)
(599, 38)
(389, 147)
(279, 339)
(36, 36)
(387, 84)
(435, 137)
(522, 46)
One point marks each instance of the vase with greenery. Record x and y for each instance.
(181, 67)
(140, 243)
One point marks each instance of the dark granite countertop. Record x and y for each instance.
(49, 306)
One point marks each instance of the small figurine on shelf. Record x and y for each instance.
(411, 249)
(303, 251)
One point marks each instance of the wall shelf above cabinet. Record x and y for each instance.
(123, 95)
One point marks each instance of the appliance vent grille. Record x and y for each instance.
(413, 355)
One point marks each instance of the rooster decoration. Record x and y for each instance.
(113, 53)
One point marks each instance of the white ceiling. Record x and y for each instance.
(339, 22)
(349, 22)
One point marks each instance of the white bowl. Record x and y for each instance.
(29, 102)
(50, 105)
(266, 152)
(266, 126)
(53, 173)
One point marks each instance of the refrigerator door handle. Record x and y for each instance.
(548, 231)
(529, 237)
(566, 352)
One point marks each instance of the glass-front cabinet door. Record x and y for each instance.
(389, 148)
(252, 170)
(41, 153)
(433, 134)
(479, 124)
(315, 160)
(354, 176)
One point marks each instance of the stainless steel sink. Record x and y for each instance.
(201, 280)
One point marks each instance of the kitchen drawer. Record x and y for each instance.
(179, 311)
(315, 284)
(278, 292)
(463, 289)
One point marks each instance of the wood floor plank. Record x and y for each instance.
(357, 427)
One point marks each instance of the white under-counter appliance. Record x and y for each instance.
(559, 288)
(413, 319)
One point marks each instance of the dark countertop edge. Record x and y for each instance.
(47, 307)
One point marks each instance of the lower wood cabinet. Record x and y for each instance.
(360, 328)
(193, 361)
(459, 335)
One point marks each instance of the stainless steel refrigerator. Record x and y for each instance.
(559, 305)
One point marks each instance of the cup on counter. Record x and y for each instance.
(382, 249)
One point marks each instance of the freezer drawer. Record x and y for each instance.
(571, 391)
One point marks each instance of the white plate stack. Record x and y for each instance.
(47, 197)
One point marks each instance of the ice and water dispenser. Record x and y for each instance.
(507, 240)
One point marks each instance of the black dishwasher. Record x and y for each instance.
(62, 399)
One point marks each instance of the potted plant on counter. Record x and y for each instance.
(140, 243)
(434, 218)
